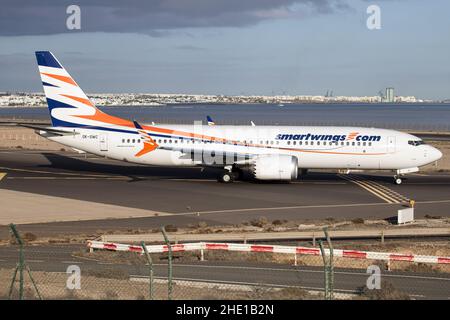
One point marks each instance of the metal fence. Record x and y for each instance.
(75, 271)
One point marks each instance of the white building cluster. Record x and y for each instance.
(143, 99)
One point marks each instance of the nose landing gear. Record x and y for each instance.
(398, 180)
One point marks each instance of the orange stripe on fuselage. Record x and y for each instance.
(68, 80)
(148, 147)
(103, 117)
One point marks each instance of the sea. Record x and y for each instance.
(419, 117)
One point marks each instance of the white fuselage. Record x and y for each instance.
(315, 147)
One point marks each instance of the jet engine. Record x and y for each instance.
(275, 167)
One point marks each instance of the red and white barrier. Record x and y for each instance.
(241, 247)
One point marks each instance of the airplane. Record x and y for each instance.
(272, 153)
(210, 121)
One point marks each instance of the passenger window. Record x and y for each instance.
(288, 142)
(359, 143)
(364, 143)
(123, 140)
(294, 143)
(348, 143)
(353, 143)
(370, 144)
(128, 140)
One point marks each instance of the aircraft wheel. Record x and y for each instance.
(226, 177)
(398, 180)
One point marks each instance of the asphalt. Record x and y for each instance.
(190, 195)
(56, 258)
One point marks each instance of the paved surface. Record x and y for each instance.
(58, 258)
(189, 195)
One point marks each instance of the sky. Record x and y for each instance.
(232, 47)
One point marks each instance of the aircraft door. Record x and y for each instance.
(391, 144)
(103, 138)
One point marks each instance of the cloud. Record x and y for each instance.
(152, 17)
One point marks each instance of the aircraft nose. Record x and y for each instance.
(435, 154)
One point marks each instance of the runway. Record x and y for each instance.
(56, 258)
(181, 196)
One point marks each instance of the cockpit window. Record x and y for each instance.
(415, 142)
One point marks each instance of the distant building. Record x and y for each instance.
(389, 98)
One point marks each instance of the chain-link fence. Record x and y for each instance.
(73, 271)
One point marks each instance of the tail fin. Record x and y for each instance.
(210, 121)
(68, 104)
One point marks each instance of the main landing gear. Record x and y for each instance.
(230, 174)
(226, 177)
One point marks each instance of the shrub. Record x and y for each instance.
(171, 228)
(261, 222)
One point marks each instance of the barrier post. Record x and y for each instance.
(150, 269)
(169, 249)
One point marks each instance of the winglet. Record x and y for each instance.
(137, 125)
(149, 143)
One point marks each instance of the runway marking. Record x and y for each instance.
(68, 178)
(362, 273)
(233, 282)
(384, 193)
(57, 173)
(2, 175)
(285, 208)
(71, 262)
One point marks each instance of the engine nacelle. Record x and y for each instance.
(275, 167)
